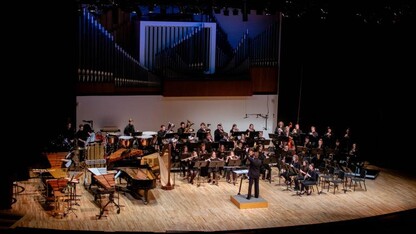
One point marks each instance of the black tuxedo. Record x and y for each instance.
(254, 175)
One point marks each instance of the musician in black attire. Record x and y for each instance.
(160, 135)
(202, 132)
(181, 129)
(265, 168)
(253, 173)
(309, 179)
(129, 129)
(219, 134)
(81, 137)
(69, 135)
(250, 131)
(292, 170)
(175, 151)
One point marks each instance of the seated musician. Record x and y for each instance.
(212, 172)
(318, 158)
(229, 158)
(296, 134)
(234, 129)
(291, 143)
(184, 153)
(250, 131)
(302, 173)
(264, 168)
(160, 135)
(220, 134)
(175, 150)
(309, 178)
(208, 138)
(192, 171)
(202, 132)
(288, 174)
(222, 153)
(181, 129)
(261, 137)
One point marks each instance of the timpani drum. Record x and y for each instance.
(144, 140)
(125, 141)
(112, 138)
(153, 136)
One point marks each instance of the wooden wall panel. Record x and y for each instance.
(264, 80)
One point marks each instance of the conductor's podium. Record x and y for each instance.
(241, 201)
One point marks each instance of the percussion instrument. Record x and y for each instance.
(112, 138)
(144, 140)
(149, 133)
(95, 151)
(125, 141)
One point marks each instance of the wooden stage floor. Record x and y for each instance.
(208, 208)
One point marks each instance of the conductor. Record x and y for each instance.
(253, 173)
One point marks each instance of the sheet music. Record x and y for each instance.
(98, 170)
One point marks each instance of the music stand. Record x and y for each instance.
(263, 142)
(213, 145)
(199, 165)
(214, 165)
(184, 135)
(170, 135)
(242, 172)
(273, 136)
(228, 145)
(233, 164)
(238, 133)
(254, 135)
(201, 135)
(193, 146)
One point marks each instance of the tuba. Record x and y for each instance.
(188, 127)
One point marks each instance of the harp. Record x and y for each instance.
(165, 166)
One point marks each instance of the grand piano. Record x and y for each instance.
(138, 179)
(127, 157)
